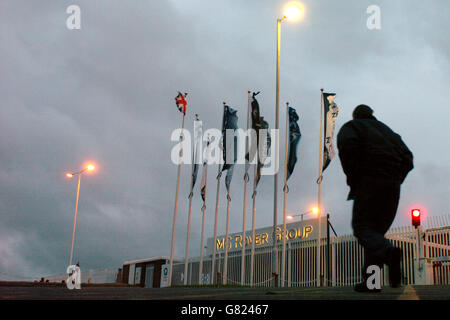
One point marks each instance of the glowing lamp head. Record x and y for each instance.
(69, 175)
(315, 210)
(289, 217)
(293, 11)
(90, 167)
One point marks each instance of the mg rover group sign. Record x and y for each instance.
(296, 231)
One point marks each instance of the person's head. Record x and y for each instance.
(363, 112)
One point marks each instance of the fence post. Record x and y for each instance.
(219, 278)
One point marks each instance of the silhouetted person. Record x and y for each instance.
(376, 162)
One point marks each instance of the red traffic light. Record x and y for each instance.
(415, 215)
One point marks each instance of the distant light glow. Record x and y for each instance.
(293, 11)
(290, 217)
(315, 210)
(90, 167)
(69, 175)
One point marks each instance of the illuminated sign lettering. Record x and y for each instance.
(263, 237)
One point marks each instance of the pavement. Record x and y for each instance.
(98, 292)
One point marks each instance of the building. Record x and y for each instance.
(145, 272)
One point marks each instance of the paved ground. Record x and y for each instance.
(132, 293)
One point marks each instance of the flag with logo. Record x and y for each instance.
(261, 128)
(294, 139)
(331, 112)
(229, 146)
(181, 102)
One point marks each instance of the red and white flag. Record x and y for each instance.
(181, 102)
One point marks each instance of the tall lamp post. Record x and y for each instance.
(89, 167)
(292, 12)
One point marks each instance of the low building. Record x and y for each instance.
(145, 272)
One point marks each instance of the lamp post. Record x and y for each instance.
(89, 167)
(292, 12)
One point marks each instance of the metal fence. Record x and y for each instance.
(342, 260)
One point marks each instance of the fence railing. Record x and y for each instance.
(342, 260)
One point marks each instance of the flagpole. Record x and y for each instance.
(244, 214)
(275, 177)
(219, 174)
(283, 259)
(225, 265)
(319, 196)
(215, 224)
(195, 149)
(188, 236)
(252, 259)
(175, 212)
(200, 271)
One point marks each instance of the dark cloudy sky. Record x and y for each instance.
(105, 93)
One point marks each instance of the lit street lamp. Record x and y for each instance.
(314, 211)
(292, 11)
(89, 167)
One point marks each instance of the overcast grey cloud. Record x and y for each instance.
(105, 93)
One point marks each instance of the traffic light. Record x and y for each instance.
(415, 216)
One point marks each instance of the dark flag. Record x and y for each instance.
(294, 139)
(230, 119)
(258, 123)
(205, 173)
(331, 111)
(181, 102)
(197, 154)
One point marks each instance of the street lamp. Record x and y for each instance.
(314, 211)
(292, 11)
(89, 167)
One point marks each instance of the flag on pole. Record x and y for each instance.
(258, 124)
(294, 139)
(255, 119)
(197, 155)
(264, 125)
(181, 102)
(249, 138)
(331, 111)
(230, 119)
(204, 173)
